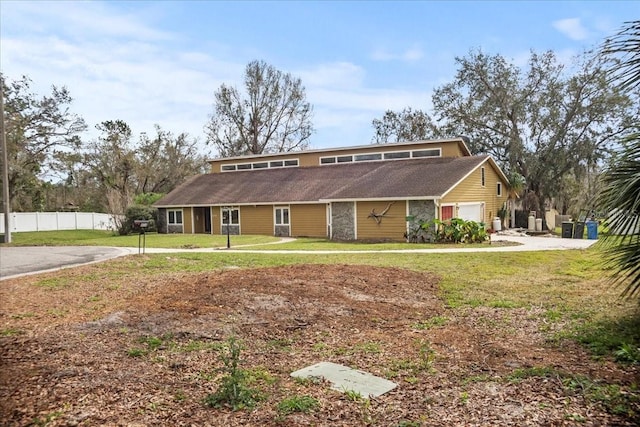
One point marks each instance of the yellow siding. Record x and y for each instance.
(392, 226)
(215, 220)
(308, 159)
(256, 219)
(471, 190)
(308, 220)
(187, 218)
(448, 148)
(451, 149)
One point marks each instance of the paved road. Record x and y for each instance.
(18, 261)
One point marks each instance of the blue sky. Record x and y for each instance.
(160, 62)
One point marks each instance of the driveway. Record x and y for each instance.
(18, 261)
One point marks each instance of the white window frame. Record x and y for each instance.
(231, 209)
(499, 189)
(174, 212)
(281, 209)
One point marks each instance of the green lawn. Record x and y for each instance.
(153, 240)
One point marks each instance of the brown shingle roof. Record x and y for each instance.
(430, 177)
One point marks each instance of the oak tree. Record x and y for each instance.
(406, 125)
(544, 121)
(37, 129)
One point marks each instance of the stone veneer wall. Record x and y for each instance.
(343, 221)
(161, 225)
(282, 231)
(234, 230)
(172, 228)
(424, 210)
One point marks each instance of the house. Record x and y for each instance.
(371, 192)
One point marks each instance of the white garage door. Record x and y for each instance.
(471, 212)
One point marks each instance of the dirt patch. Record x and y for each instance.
(137, 351)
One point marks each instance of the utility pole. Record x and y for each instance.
(6, 203)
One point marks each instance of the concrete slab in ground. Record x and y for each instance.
(343, 379)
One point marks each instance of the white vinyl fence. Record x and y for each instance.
(50, 221)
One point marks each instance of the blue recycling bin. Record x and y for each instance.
(592, 230)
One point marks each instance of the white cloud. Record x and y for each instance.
(118, 66)
(412, 54)
(81, 20)
(572, 28)
(337, 74)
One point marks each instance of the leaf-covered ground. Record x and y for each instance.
(83, 349)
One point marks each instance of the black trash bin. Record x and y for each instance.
(578, 230)
(567, 230)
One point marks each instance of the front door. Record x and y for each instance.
(447, 212)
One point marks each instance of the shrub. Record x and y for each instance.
(458, 230)
(136, 212)
(233, 390)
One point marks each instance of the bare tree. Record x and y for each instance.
(271, 116)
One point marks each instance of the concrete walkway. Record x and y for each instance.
(18, 261)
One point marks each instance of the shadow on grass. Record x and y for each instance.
(618, 338)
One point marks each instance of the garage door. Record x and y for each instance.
(471, 212)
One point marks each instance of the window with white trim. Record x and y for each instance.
(433, 152)
(174, 217)
(263, 164)
(397, 155)
(235, 216)
(282, 215)
(499, 189)
(367, 157)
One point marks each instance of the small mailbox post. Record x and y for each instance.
(141, 225)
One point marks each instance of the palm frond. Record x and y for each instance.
(620, 198)
(625, 48)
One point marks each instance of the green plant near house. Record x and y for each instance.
(419, 230)
(233, 390)
(458, 230)
(455, 230)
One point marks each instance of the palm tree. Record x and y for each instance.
(620, 196)
(515, 186)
